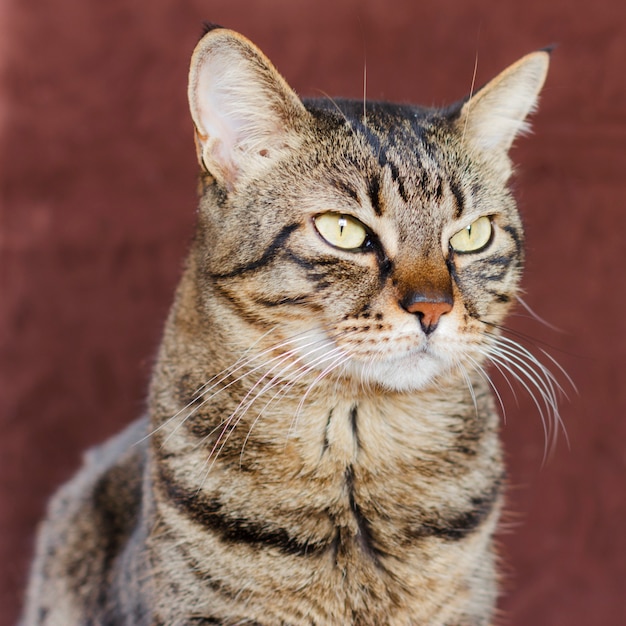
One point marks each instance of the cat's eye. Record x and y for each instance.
(474, 237)
(341, 231)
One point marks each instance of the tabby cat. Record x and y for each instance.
(322, 441)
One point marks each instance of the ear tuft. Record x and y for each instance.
(244, 112)
(207, 27)
(493, 117)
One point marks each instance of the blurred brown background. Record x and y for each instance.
(97, 184)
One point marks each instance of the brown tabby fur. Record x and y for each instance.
(322, 444)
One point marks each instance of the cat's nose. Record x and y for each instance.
(428, 309)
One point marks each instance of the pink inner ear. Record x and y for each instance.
(213, 107)
(241, 110)
(220, 129)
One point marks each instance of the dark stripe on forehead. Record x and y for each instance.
(373, 191)
(430, 146)
(395, 176)
(371, 137)
(380, 152)
(439, 190)
(346, 188)
(458, 198)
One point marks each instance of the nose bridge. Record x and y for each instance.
(424, 288)
(428, 275)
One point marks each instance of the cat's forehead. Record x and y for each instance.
(381, 125)
(404, 156)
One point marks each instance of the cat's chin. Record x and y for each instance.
(410, 373)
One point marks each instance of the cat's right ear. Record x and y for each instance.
(245, 114)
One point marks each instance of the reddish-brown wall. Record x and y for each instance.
(97, 184)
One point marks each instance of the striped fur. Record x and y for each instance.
(322, 443)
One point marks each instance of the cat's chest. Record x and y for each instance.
(349, 498)
(366, 469)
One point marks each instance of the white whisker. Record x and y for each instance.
(283, 391)
(468, 382)
(485, 375)
(537, 317)
(203, 388)
(539, 382)
(542, 379)
(541, 409)
(258, 389)
(341, 358)
(225, 374)
(249, 399)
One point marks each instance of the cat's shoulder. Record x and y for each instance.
(88, 520)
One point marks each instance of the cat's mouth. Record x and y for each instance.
(397, 359)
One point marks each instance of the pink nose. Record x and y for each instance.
(428, 312)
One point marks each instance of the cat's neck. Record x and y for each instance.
(232, 400)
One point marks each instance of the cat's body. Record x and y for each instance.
(322, 445)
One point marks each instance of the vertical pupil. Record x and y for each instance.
(342, 224)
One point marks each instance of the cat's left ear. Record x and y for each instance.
(245, 114)
(491, 119)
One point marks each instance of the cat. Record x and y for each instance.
(321, 445)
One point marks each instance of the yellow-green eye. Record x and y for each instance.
(342, 231)
(474, 237)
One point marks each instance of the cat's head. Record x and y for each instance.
(379, 241)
